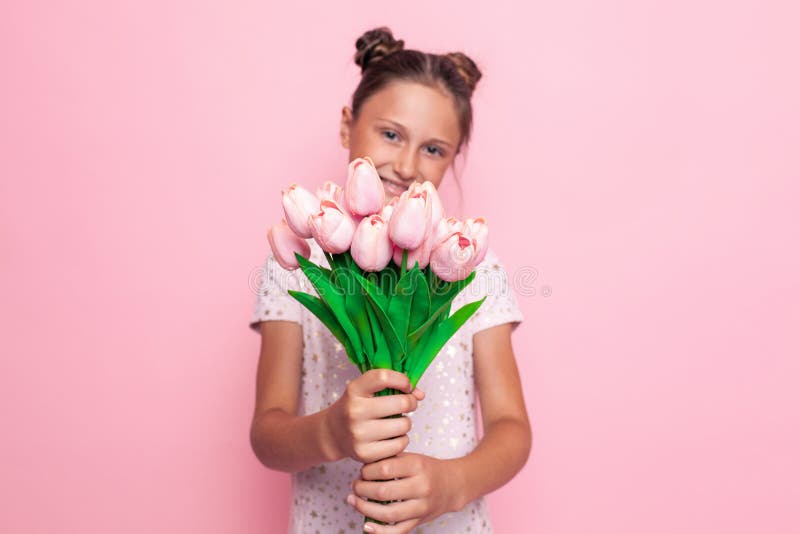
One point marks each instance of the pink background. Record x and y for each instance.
(639, 158)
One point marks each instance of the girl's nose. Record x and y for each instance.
(405, 165)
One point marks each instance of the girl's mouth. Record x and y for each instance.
(393, 188)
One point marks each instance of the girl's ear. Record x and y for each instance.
(344, 127)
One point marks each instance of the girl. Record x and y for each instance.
(316, 416)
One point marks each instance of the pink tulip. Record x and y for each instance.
(479, 231)
(331, 191)
(446, 228)
(388, 208)
(454, 258)
(421, 254)
(437, 210)
(363, 190)
(411, 218)
(284, 243)
(371, 248)
(332, 227)
(298, 205)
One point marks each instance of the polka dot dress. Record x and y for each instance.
(444, 425)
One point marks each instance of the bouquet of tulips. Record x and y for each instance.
(393, 269)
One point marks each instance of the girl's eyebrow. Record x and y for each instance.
(403, 129)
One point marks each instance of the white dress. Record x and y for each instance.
(444, 425)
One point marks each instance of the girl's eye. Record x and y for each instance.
(392, 136)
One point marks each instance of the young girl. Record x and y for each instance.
(316, 416)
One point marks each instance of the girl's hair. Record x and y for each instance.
(383, 59)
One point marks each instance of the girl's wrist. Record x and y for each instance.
(459, 491)
(327, 441)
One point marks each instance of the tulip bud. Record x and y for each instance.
(421, 254)
(479, 231)
(332, 227)
(371, 248)
(298, 205)
(411, 218)
(446, 228)
(454, 258)
(331, 191)
(388, 208)
(363, 190)
(284, 243)
(437, 210)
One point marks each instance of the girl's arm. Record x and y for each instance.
(351, 427)
(507, 439)
(280, 439)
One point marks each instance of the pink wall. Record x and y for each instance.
(642, 157)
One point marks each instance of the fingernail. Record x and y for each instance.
(351, 500)
(369, 528)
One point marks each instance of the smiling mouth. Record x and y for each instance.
(393, 186)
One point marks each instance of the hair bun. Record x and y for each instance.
(374, 45)
(466, 67)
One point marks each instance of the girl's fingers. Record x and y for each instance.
(376, 380)
(392, 405)
(389, 469)
(379, 429)
(378, 450)
(390, 513)
(389, 490)
(404, 527)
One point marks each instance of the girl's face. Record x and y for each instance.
(409, 130)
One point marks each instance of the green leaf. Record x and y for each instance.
(431, 278)
(357, 307)
(334, 298)
(387, 280)
(399, 311)
(373, 291)
(316, 306)
(447, 292)
(420, 304)
(382, 358)
(439, 336)
(339, 268)
(396, 348)
(330, 258)
(440, 303)
(420, 310)
(415, 349)
(343, 275)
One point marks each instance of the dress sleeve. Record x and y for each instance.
(273, 302)
(493, 282)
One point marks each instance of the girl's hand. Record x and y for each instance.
(427, 486)
(354, 426)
